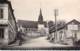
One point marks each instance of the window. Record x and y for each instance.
(1, 13)
(61, 32)
(61, 35)
(1, 33)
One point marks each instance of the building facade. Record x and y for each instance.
(68, 33)
(8, 28)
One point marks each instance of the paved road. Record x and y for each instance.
(40, 42)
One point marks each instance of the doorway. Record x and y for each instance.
(1, 33)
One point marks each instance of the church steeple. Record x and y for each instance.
(40, 19)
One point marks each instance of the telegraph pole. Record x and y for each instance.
(55, 14)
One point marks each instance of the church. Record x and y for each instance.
(33, 28)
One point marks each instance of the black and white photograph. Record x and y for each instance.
(39, 24)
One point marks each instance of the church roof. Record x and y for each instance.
(28, 24)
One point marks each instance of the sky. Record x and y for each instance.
(29, 9)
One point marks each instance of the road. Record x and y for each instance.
(40, 42)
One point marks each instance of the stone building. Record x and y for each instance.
(67, 34)
(8, 28)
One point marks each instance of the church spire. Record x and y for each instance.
(40, 19)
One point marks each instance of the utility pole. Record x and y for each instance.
(47, 31)
(55, 14)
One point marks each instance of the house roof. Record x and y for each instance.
(75, 22)
(61, 27)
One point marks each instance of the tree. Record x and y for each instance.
(60, 23)
(50, 24)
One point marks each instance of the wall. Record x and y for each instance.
(10, 30)
(6, 36)
(11, 25)
(4, 21)
(5, 14)
(33, 34)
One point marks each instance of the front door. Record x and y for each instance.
(1, 33)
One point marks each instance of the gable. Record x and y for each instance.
(73, 22)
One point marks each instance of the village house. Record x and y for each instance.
(66, 34)
(8, 28)
(33, 28)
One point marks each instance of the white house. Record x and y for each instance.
(68, 33)
(8, 28)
